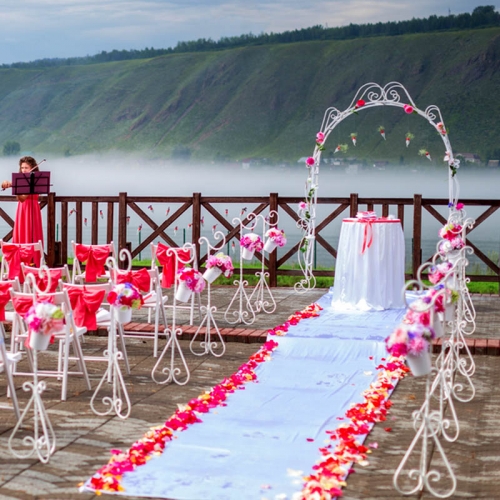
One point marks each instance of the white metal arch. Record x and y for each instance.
(368, 96)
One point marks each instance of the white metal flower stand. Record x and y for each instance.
(261, 290)
(244, 312)
(207, 345)
(172, 350)
(43, 441)
(119, 401)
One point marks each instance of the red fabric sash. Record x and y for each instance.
(15, 254)
(85, 304)
(41, 283)
(95, 257)
(140, 279)
(168, 262)
(5, 287)
(367, 234)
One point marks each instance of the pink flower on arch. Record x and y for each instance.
(408, 109)
(320, 137)
(360, 103)
(310, 161)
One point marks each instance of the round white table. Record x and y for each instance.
(370, 267)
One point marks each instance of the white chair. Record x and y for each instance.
(7, 363)
(94, 257)
(154, 302)
(103, 316)
(70, 337)
(58, 275)
(14, 254)
(195, 302)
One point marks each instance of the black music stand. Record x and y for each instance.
(32, 183)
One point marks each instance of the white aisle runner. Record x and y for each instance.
(267, 437)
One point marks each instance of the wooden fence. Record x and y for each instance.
(198, 206)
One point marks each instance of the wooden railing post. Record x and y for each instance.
(122, 221)
(273, 278)
(51, 229)
(353, 205)
(417, 234)
(95, 223)
(109, 226)
(196, 225)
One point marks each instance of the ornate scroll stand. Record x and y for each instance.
(171, 372)
(244, 313)
(208, 346)
(43, 441)
(431, 424)
(119, 401)
(262, 287)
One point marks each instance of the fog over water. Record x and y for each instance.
(108, 175)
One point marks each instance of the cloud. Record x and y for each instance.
(33, 29)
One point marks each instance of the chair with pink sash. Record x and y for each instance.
(57, 275)
(94, 257)
(91, 311)
(147, 282)
(8, 360)
(15, 254)
(68, 338)
(161, 255)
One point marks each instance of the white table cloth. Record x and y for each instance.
(369, 273)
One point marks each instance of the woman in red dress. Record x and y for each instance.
(28, 224)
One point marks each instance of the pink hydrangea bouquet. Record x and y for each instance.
(223, 262)
(191, 278)
(437, 273)
(125, 295)
(252, 242)
(452, 239)
(44, 318)
(277, 235)
(413, 339)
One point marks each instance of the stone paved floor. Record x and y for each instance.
(84, 439)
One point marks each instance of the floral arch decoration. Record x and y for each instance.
(368, 96)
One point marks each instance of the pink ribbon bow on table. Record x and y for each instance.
(95, 257)
(15, 254)
(85, 304)
(168, 262)
(367, 234)
(41, 282)
(140, 279)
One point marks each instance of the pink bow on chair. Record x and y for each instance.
(140, 279)
(41, 282)
(167, 261)
(15, 254)
(95, 257)
(4, 297)
(85, 304)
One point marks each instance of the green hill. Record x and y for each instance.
(260, 101)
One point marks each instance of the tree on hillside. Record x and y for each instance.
(11, 148)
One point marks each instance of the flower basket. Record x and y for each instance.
(123, 314)
(270, 246)
(183, 293)
(249, 244)
(420, 364)
(211, 274)
(44, 320)
(125, 295)
(216, 265)
(275, 238)
(188, 280)
(247, 254)
(39, 341)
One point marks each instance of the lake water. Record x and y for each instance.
(112, 174)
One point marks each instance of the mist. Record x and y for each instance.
(108, 175)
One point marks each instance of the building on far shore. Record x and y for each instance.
(469, 157)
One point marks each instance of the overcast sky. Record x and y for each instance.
(37, 29)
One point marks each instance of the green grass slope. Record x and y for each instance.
(265, 101)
